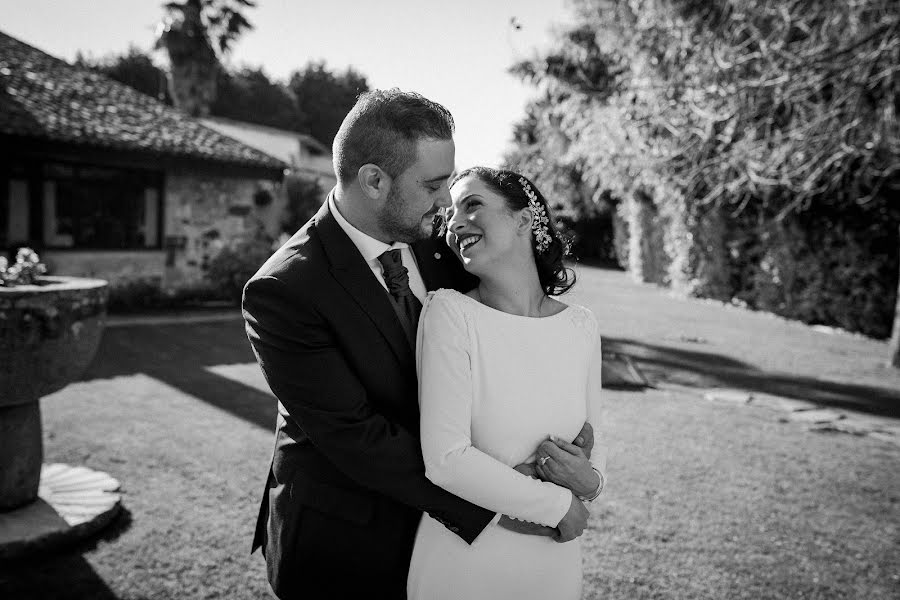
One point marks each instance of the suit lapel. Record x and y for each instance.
(440, 268)
(354, 275)
(428, 260)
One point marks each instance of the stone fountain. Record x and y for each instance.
(50, 330)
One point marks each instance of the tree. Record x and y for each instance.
(193, 34)
(324, 98)
(249, 95)
(540, 153)
(764, 127)
(135, 69)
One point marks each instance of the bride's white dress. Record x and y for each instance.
(492, 386)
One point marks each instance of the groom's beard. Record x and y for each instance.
(402, 226)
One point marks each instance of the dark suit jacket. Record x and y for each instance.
(347, 484)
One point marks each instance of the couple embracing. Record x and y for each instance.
(435, 434)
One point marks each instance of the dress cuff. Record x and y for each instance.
(565, 501)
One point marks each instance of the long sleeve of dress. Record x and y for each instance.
(445, 398)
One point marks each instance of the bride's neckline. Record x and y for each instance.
(565, 308)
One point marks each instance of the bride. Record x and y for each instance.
(504, 378)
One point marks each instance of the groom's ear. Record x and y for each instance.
(373, 181)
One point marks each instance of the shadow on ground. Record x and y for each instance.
(663, 364)
(179, 355)
(56, 577)
(62, 572)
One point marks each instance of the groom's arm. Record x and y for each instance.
(310, 376)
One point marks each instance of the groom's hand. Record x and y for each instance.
(574, 523)
(585, 439)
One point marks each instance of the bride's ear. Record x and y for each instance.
(523, 221)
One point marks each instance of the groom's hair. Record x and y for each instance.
(383, 128)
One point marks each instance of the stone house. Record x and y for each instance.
(104, 181)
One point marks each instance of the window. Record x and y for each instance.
(100, 208)
(14, 213)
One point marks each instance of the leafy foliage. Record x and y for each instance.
(249, 95)
(580, 212)
(135, 69)
(324, 97)
(731, 118)
(304, 198)
(314, 102)
(230, 269)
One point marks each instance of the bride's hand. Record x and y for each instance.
(566, 465)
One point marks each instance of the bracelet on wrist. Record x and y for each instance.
(595, 493)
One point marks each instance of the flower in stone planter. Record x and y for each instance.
(27, 268)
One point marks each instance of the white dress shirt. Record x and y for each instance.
(371, 249)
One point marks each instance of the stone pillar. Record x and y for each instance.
(21, 454)
(646, 256)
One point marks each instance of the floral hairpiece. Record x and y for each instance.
(540, 223)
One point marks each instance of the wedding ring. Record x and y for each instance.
(543, 460)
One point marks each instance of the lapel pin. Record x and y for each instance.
(437, 255)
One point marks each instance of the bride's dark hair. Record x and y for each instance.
(554, 276)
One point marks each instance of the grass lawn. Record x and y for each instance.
(705, 500)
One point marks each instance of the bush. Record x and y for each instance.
(135, 296)
(832, 267)
(304, 198)
(229, 270)
(147, 295)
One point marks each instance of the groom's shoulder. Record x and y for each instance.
(300, 257)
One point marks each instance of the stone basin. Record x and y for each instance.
(49, 334)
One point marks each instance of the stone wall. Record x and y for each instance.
(204, 213)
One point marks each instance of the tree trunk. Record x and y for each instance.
(192, 85)
(193, 63)
(895, 336)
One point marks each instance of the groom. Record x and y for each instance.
(331, 317)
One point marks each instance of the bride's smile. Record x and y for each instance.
(466, 241)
